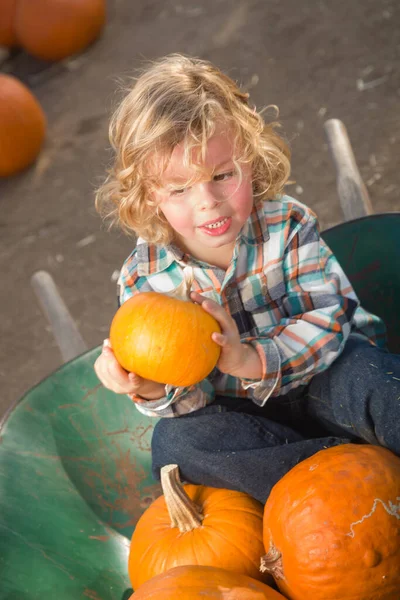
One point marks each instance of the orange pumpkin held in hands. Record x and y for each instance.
(7, 29)
(197, 525)
(332, 526)
(164, 339)
(55, 29)
(23, 126)
(193, 582)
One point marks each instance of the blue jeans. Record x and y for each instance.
(232, 443)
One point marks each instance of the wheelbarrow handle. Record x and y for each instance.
(353, 194)
(63, 326)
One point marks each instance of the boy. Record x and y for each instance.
(198, 176)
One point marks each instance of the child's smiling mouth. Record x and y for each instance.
(217, 227)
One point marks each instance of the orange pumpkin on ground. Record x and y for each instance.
(164, 339)
(7, 30)
(332, 526)
(196, 525)
(201, 583)
(55, 29)
(23, 126)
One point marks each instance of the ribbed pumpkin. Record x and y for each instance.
(7, 30)
(332, 526)
(196, 525)
(55, 29)
(204, 583)
(164, 339)
(23, 126)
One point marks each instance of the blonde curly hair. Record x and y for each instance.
(182, 100)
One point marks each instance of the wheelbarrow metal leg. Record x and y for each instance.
(353, 194)
(63, 326)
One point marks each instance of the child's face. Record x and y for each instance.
(208, 215)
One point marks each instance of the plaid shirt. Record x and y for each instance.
(285, 290)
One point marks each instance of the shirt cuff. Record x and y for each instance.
(270, 380)
(171, 393)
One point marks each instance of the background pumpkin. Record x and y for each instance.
(54, 29)
(7, 30)
(196, 525)
(23, 126)
(332, 526)
(164, 339)
(198, 583)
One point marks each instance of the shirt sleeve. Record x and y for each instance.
(177, 400)
(319, 303)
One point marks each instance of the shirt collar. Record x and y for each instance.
(154, 259)
(255, 230)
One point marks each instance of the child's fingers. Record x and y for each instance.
(111, 363)
(135, 380)
(106, 349)
(110, 372)
(226, 322)
(220, 339)
(196, 297)
(127, 382)
(206, 303)
(133, 396)
(118, 373)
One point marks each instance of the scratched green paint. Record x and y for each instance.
(74, 478)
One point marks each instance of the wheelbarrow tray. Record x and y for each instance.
(75, 468)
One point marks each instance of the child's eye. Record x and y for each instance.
(224, 176)
(177, 192)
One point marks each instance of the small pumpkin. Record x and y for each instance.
(7, 30)
(23, 126)
(55, 29)
(196, 525)
(332, 526)
(164, 339)
(195, 582)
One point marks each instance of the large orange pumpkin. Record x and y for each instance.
(204, 583)
(196, 525)
(23, 126)
(332, 526)
(164, 339)
(7, 30)
(55, 29)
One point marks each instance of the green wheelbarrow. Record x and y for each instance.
(75, 460)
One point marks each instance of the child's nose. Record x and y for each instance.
(206, 197)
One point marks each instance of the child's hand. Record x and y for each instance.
(237, 359)
(116, 379)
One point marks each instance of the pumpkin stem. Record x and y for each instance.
(272, 563)
(183, 290)
(183, 512)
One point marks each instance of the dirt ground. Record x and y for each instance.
(315, 59)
